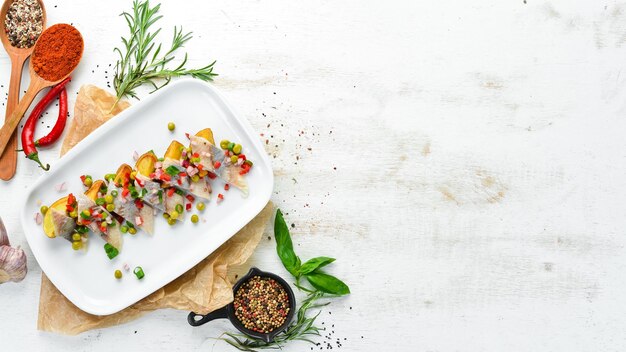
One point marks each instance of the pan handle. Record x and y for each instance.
(197, 319)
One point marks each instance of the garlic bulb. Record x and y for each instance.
(12, 260)
(4, 238)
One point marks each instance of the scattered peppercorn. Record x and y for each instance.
(261, 304)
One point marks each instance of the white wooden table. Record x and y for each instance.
(464, 161)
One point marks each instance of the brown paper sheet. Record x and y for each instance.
(202, 289)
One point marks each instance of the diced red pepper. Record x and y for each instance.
(217, 165)
(170, 192)
(188, 206)
(180, 182)
(138, 203)
(200, 167)
(212, 176)
(125, 192)
(166, 177)
(82, 179)
(190, 198)
(227, 186)
(242, 156)
(220, 196)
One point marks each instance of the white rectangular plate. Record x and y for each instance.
(86, 277)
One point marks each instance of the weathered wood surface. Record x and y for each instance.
(464, 161)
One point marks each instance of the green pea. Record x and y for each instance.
(231, 145)
(166, 216)
(76, 237)
(234, 159)
(109, 198)
(118, 274)
(132, 230)
(174, 215)
(76, 245)
(171, 126)
(124, 229)
(110, 207)
(44, 209)
(88, 181)
(224, 143)
(237, 148)
(195, 178)
(171, 221)
(200, 206)
(194, 218)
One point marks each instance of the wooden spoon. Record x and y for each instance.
(37, 83)
(8, 160)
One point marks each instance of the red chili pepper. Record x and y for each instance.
(59, 126)
(28, 132)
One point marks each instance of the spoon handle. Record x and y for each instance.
(11, 123)
(8, 160)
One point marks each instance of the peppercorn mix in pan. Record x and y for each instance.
(261, 304)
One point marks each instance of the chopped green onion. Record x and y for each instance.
(82, 229)
(124, 229)
(111, 251)
(85, 214)
(160, 194)
(144, 192)
(100, 201)
(129, 224)
(179, 192)
(172, 170)
(139, 272)
(114, 193)
(109, 177)
(179, 208)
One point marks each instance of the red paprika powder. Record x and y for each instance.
(57, 52)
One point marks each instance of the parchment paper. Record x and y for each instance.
(202, 289)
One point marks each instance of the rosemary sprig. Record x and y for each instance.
(141, 60)
(303, 329)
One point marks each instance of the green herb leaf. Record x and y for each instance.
(284, 246)
(327, 283)
(315, 263)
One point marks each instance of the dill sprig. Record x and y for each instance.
(303, 329)
(141, 61)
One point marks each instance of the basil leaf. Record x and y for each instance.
(315, 263)
(284, 246)
(327, 283)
